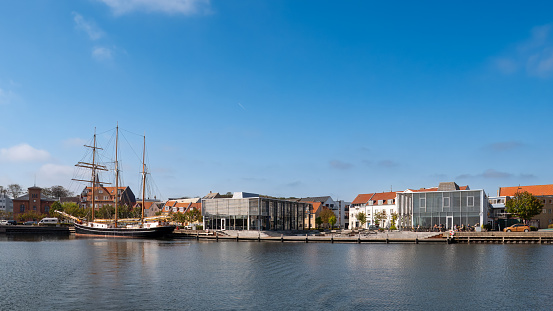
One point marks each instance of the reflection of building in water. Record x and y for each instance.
(248, 211)
(448, 204)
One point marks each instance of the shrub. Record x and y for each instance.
(532, 228)
(393, 227)
(487, 226)
(381, 229)
(199, 227)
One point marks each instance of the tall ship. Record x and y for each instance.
(140, 227)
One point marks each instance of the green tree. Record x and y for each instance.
(362, 218)
(379, 217)
(332, 220)
(524, 205)
(394, 219)
(56, 206)
(318, 221)
(194, 215)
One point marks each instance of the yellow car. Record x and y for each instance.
(517, 228)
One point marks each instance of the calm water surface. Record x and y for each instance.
(126, 274)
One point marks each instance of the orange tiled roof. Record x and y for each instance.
(362, 198)
(534, 190)
(384, 196)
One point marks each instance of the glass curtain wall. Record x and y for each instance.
(446, 208)
(253, 214)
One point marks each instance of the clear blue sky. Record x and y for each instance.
(283, 98)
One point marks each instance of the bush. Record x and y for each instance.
(199, 227)
(532, 228)
(487, 227)
(393, 227)
(381, 229)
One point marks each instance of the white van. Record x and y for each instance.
(48, 221)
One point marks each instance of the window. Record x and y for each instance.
(22, 208)
(470, 201)
(96, 197)
(106, 197)
(390, 201)
(380, 202)
(446, 201)
(47, 209)
(100, 191)
(422, 202)
(544, 211)
(34, 207)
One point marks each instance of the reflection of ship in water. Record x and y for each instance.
(139, 227)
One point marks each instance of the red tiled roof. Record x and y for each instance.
(534, 190)
(384, 196)
(362, 198)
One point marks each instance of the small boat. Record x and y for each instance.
(152, 227)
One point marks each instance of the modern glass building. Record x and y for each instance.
(447, 205)
(246, 211)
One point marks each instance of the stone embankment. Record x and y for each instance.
(310, 236)
(495, 237)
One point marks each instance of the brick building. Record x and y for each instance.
(33, 201)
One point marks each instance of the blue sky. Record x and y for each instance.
(283, 98)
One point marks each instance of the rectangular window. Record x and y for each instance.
(380, 202)
(390, 201)
(470, 201)
(446, 201)
(22, 208)
(422, 203)
(100, 191)
(544, 211)
(96, 198)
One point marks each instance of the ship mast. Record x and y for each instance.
(116, 173)
(143, 179)
(93, 168)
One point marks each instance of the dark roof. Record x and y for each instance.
(315, 199)
(26, 198)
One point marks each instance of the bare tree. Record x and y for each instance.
(57, 192)
(15, 190)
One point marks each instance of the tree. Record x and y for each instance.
(57, 192)
(362, 218)
(378, 217)
(332, 221)
(325, 215)
(15, 190)
(394, 219)
(194, 215)
(56, 206)
(524, 205)
(318, 221)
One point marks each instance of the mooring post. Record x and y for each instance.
(359, 238)
(306, 238)
(259, 237)
(282, 237)
(417, 240)
(236, 236)
(216, 236)
(332, 238)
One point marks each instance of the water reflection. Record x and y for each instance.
(84, 274)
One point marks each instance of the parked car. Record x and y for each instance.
(30, 223)
(8, 222)
(517, 228)
(12, 222)
(49, 221)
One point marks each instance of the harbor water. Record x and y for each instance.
(40, 273)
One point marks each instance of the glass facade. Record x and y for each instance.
(448, 208)
(254, 214)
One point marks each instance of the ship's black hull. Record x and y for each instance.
(156, 232)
